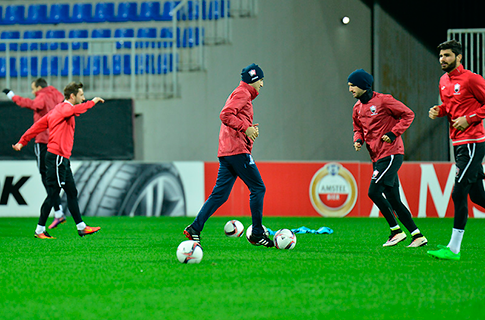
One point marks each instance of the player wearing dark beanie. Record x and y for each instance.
(252, 73)
(379, 120)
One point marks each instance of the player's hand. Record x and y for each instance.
(98, 99)
(434, 112)
(253, 132)
(17, 147)
(357, 146)
(386, 138)
(460, 123)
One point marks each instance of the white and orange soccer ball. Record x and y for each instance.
(189, 251)
(234, 229)
(284, 239)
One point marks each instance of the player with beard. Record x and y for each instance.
(462, 93)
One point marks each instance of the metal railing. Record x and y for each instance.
(473, 42)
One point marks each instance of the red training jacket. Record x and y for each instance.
(61, 124)
(45, 100)
(463, 94)
(382, 114)
(237, 117)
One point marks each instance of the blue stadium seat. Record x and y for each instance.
(164, 63)
(81, 12)
(54, 34)
(97, 60)
(214, 10)
(101, 33)
(146, 33)
(10, 35)
(124, 33)
(167, 14)
(14, 14)
(77, 63)
(49, 66)
(36, 14)
(121, 64)
(127, 11)
(26, 69)
(191, 11)
(31, 35)
(59, 13)
(104, 11)
(81, 34)
(149, 11)
(167, 33)
(3, 67)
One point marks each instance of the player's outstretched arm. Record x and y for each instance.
(98, 99)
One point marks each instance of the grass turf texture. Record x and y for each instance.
(129, 270)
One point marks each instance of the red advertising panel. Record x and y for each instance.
(339, 189)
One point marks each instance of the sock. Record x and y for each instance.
(415, 232)
(40, 229)
(81, 225)
(455, 242)
(395, 228)
(59, 213)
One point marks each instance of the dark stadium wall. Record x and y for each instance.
(104, 132)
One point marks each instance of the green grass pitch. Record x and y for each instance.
(129, 270)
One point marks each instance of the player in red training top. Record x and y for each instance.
(379, 120)
(46, 98)
(462, 94)
(61, 123)
(236, 139)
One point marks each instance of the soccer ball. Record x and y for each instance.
(249, 231)
(189, 251)
(234, 229)
(285, 239)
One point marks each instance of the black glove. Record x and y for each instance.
(391, 136)
(6, 91)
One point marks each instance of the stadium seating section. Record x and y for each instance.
(94, 21)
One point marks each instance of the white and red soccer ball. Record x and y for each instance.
(284, 239)
(189, 251)
(234, 228)
(249, 231)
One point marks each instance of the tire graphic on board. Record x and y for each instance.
(116, 188)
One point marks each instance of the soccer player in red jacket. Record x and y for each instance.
(462, 94)
(236, 139)
(379, 120)
(61, 123)
(46, 98)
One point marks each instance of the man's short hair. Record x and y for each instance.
(454, 45)
(71, 88)
(41, 82)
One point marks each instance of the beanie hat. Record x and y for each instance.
(361, 79)
(252, 73)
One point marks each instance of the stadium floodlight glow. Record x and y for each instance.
(345, 20)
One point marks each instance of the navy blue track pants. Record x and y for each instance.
(230, 168)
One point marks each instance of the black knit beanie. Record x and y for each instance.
(252, 73)
(361, 79)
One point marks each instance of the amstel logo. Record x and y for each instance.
(333, 190)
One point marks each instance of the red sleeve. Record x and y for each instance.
(477, 88)
(37, 104)
(229, 114)
(77, 109)
(399, 111)
(358, 132)
(38, 127)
